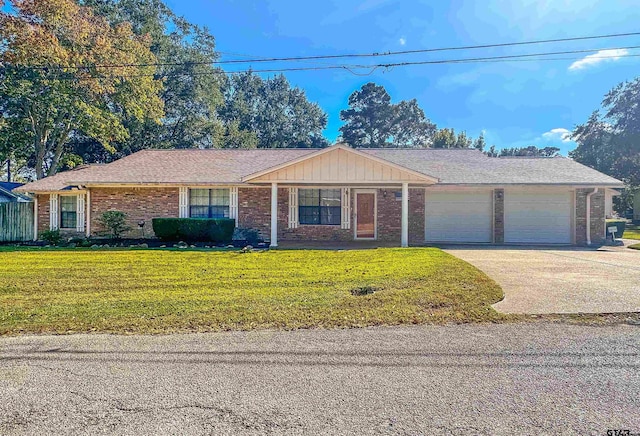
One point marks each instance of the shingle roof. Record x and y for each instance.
(470, 166)
(450, 166)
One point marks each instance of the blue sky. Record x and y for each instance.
(514, 103)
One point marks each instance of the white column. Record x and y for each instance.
(404, 240)
(87, 214)
(274, 215)
(35, 217)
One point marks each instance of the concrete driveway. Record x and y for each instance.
(560, 280)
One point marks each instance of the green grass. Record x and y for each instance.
(634, 246)
(160, 291)
(632, 232)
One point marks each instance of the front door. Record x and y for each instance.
(365, 215)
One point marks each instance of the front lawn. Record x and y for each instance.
(632, 232)
(156, 291)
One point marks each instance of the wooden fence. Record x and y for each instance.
(16, 222)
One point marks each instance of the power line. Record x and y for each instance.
(372, 67)
(342, 56)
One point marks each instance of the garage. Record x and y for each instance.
(538, 216)
(459, 216)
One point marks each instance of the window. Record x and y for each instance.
(319, 206)
(209, 203)
(68, 211)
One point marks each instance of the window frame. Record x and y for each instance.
(226, 208)
(75, 212)
(319, 211)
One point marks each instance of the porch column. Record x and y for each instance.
(274, 215)
(404, 240)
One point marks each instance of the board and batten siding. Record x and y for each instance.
(339, 166)
(16, 222)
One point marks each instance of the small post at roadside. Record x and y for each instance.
(612, 230)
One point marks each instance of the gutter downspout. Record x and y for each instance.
(595, 190)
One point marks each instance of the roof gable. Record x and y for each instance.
(339, 164)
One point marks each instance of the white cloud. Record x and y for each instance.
(600, 56)
(556, 134)
(402, 41)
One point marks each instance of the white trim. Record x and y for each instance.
(35, 218)
(375, 213)
(53, 211)
(233, 203)
(339, 146)
(293, 208)
(80, 213)
(345, 222)
(404, 233)
(274, 215)
(87, 227)
(183, 202)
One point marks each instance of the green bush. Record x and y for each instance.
(52, 237)
(620, 224)
(115, 221)
(194, 229)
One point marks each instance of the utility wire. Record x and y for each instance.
(372, 67)
(353, 55)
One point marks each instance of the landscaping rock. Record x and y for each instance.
(230, 246)
(94, 246)
(144, 245)
(163, 246)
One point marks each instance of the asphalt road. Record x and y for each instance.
(507, 379)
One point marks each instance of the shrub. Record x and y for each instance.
(52, 237)
(250, 236)
(620, 224)
(115, 221)
(194, 229)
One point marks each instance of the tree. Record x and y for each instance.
(42, 43)
(268, 113)
(531, 151)
(480, 143)
(372, 121)
(191, 93)
(411, 128)
(447, 138)
(610, 142)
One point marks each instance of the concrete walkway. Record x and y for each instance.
(560, 280)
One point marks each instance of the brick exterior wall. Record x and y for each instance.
(498, 216)
(43, 212)
(597, 216)
(138, 203)
(254, 211)
(416, 216)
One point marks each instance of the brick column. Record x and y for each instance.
(498, 216)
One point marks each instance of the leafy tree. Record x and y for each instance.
(480, 143)
(447, 138)
(191, 93)
(373, 121)
(411, 128)
(40, 43)
(268, 113)
(531, 151)
(610, 141)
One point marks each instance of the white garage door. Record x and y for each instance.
(459, 216)
(542, 217)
